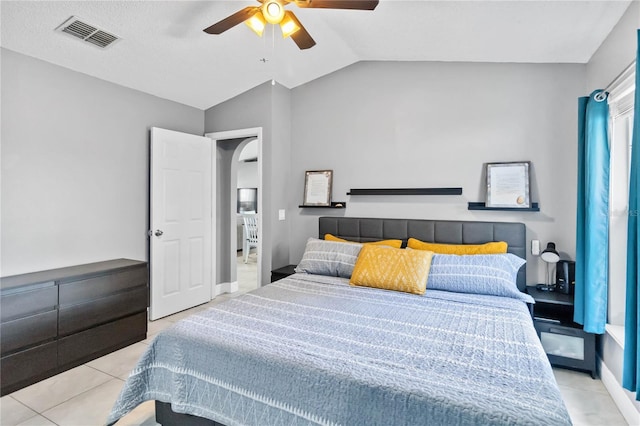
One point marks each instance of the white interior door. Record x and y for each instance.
(180, 220)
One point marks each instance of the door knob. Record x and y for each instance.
(158, 232)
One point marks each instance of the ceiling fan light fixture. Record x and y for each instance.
(273, 11)
(257, 23)
(288, 25)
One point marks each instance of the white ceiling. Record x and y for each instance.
(164, 51)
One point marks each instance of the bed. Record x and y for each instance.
(312, 349)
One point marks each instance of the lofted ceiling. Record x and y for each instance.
(164, 51)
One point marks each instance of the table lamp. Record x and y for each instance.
(549, 255)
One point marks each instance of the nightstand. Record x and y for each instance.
(565, 342)
(280, 273)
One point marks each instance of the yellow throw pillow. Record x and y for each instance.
(497, 247)
(390, 243)
(392, 269)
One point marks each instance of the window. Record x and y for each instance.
(621, 100)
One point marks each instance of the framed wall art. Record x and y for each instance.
(508, 184)
(317, 187)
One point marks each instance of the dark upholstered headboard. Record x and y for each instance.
(434, 231)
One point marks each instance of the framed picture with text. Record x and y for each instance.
(317, 187)
(508, 185)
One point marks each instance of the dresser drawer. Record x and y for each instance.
(81, 291)
(90, 344)
(28, 300)
(567, 346)
(27, 366)
(86, 315)
(28, 331)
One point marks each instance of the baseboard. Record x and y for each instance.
(621, 397)
(222, 288)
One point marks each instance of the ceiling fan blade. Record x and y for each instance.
(301, 37)
(232, 20)
(338, 4)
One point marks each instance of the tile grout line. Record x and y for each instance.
(42, 415)
(69, 399)
(75, 396)
(103, 372)
(26, 406)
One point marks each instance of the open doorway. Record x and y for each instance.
(247, 184)
(232, 274)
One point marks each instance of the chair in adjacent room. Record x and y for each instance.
(250, 234)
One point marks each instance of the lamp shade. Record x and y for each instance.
(288, 25)
(550, 254)
(257, 23)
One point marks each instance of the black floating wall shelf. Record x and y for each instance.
(406, 191)
(482, 206)
(334, 205)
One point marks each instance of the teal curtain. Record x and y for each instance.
(631, 366)
(592, 233)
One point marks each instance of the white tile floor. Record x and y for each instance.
(84, 395)
(587, 400)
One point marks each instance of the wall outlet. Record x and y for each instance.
(281, 214)
(535, 247)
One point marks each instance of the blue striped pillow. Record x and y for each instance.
(329, 258)
(493, 274)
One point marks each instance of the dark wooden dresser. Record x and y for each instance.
(57, 319)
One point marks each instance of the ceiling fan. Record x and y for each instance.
(273, 12)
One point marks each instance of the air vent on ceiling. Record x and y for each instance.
(87, 32)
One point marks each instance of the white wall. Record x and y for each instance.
(248, 170)
(227, 221)
(280, 170)
(421, 124)
(616, 52)
(75, 165)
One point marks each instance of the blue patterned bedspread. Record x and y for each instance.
(311, 349)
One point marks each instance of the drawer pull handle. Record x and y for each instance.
(563, 331)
